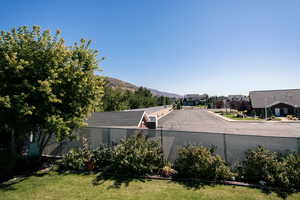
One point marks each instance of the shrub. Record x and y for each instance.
(263, 165)
(86, 160)
(199, 162)
(136, 156)
(73, 160)
(80, 160)
(103, 157)
(292, 167)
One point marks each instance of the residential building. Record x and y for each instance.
(278, 102)
(194, 99)
(238, 102)
(238, 98)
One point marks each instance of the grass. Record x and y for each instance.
(202, 106)
(232, 116)
(74, 186)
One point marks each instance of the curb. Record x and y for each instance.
(171, 109)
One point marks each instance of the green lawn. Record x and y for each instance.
(72, 187)
(232, 116)
(202, 106)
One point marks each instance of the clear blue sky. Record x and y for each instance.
(213, 46)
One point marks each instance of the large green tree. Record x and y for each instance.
(46, 87)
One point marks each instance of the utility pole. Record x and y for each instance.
(225, 105)
(266, 109)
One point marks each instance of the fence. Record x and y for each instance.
(231, 147)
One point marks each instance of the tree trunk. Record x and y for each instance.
(13, 153)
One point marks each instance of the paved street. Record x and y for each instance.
(200, 120)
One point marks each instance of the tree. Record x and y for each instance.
(47, 88)
(115, 99)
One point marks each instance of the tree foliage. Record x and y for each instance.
(47, 88)
(116, 99)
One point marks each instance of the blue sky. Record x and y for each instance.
(183, 46)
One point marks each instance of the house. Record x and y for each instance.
(237, 98)
(124, 119)
(278, 102)
(216, 102)
(194, 99)
(238, 102)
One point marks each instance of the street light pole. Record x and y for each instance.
(266, 112)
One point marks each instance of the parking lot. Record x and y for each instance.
(199, 120)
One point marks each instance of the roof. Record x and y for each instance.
(261, 99)
(116, 119)
(236, 95)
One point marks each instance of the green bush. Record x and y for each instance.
(73, 160)
(200, 162)
(292, 167)
(103, 157)
(80, 160)
(136, 156)
(262, 165)
(86, 160)
(275, 170)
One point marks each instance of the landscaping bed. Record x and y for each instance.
(137, 158)
(234, 116)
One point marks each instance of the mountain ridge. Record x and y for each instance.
(123, 85)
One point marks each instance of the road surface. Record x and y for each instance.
(199, 120)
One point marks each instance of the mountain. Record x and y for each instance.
(116, 83)
(166, 94)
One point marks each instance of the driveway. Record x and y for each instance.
(199, 120)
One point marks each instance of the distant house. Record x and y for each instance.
(237, 98)
(124, 119)
(194, 99)
(216, 101)
(238, 102)
(279, 102)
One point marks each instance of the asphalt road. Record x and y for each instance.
(199, 120)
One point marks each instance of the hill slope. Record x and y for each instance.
(116, 83)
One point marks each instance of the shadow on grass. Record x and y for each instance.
(198, 184)
(192, 184)
(9, 185)
(283, 193)
(118, 181)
